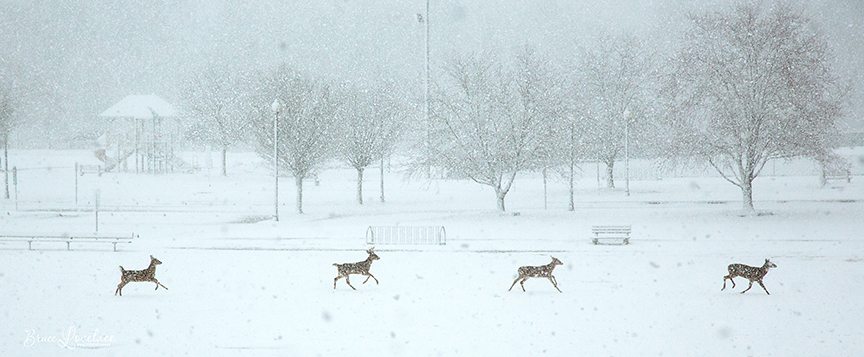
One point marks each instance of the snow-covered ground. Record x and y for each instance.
(243, 284)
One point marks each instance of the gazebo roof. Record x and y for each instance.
(140, 107)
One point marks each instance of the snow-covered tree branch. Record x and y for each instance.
(483, 129)
(306, 123)
(616, 74)
(753, 84)
(218, 102)
(370, 123)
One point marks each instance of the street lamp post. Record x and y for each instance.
(627, 151)
(277, 107)
(425, 21)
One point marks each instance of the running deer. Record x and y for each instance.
(361, 268)
(543, 271)
(148, 274)
(749, 273)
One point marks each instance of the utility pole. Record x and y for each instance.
(277, 107)
(425, 21)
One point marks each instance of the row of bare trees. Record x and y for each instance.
(748, 85)
(319, 120)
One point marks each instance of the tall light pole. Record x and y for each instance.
(277, 107)
(627, 151)
(425, 21)
(427, 71)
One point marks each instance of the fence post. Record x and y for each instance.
(96, 204)
(76, 183)
(15, 184)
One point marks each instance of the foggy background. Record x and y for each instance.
(80, 57)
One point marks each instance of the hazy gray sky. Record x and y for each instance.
(92, 53)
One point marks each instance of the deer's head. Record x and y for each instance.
(372, 255)
(555, 261)
(769, 264)
(154, 261)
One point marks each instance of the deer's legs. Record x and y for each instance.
(368, 275)
(748, 288)
(555, 284)
(522, 283)
(158, 284)
(348, 281)
(763, 287)
(514, 283)
(724, 282)
(335, 280)
(120, 288)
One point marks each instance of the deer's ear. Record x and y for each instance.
(151, 257)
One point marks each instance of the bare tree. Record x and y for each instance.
(540, 90)
(370, 123)
(480, 132)
(306, 123)
(7, 122)
(571, 147)
(616, 74)
(753, 85)
(216, 99)
(12, 93)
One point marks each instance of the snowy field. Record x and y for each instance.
(242, 284)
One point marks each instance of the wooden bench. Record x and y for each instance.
(835, 169)
(840, 177)
(617, 235)
(90, 169)
(67, 239)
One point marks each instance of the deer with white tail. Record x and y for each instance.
(146, 275)
(361, 268)
(750, 273)
(542, 271)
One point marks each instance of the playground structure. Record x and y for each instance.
(143, 126)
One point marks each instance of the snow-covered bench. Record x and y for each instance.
(843, 176)
(66, 239)
(618, 235)
(90, 169)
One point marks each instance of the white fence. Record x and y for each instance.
(406, 235)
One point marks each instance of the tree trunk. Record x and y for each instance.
(610, 181)
(224, 161)
(572, 206)
(6, 163)
(824, 179)
(382, 179)
(499, 194)
(545, 197)
(747, 192)
(298, 180)
(360, 185)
